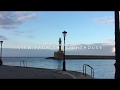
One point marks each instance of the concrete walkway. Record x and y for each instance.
(17, 72)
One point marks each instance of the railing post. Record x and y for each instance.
(84, 70)
(23, 62)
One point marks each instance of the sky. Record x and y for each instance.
(36, 33)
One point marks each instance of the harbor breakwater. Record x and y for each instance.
(83, 57)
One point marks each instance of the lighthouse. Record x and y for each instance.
(59, 54)
(60, 44)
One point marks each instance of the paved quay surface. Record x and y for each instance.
(17, 72)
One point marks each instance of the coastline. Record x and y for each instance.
(18, 72)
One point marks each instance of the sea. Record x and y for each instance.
(103, 68)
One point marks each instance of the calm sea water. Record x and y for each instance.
(103, 69)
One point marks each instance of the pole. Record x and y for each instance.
(1, 54)
(64, 69)
(117, 46)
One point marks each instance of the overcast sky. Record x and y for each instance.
(25, 33)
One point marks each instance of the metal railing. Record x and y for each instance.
(84, 70)
(23, 63)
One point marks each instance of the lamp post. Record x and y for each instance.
(64, 35)
(1, 53)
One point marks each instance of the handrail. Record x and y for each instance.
(23, 62)
(84, 70)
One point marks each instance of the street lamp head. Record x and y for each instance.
(64, 33)
(1, 41)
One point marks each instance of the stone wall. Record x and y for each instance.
(58, 55)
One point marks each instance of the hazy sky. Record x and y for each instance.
(33, 29)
